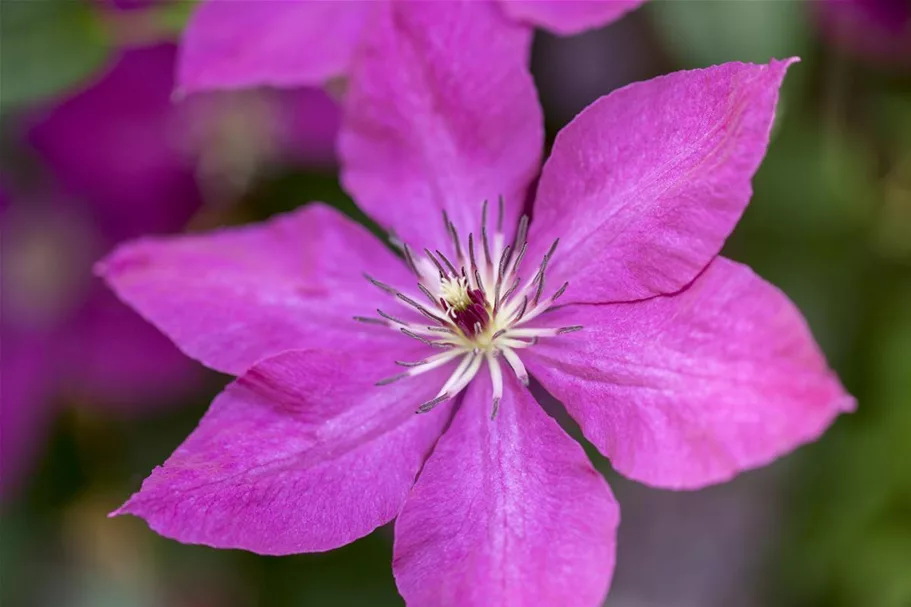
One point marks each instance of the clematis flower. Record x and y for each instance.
(116, 175)
(373, 386)
(246, 43)
(309, 44)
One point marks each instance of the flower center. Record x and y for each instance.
(479, 309)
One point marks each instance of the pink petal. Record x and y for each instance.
(138, 178)
(27, 370)
(245, 43)
(506, 512)
(112, 358)
(302, 454)
(686, 390)
(238, 295)
(311, 119)
(567, 17)
(644, 185)
(423, 133)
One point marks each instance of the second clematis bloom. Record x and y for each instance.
(244, 43)
(373, 386)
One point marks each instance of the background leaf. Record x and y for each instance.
(46, 47)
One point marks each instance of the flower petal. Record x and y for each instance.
(423, 133)
(112, 358)
(506, 512)
(26, 382)
(686, 390)
(567, 17)
(239, 295)
(245, 43)
(302, 454)
(113, 147)
(644, 186)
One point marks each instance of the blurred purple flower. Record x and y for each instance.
(237, 134)
(244, 43)
(682, 367)
(118, 174)
(879, 30)
(303, 44)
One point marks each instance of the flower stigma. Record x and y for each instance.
(479, 310)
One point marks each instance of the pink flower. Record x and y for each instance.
(244, 43)
(116, 174)
(682, 367)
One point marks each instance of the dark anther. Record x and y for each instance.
(389, 317)
(520, 257)
(522, 232)
(381, 285)
(448, 263)
(560, 291)
(453, 234)
(413, 335)
(427, 313)
(521, 311)
(496, 408)
(430, 404)
(403, 363)
(371, 321)
(484, 238)
(390, 380)
(409, 259)
(436, 263)
(427, 293)
(501, 206)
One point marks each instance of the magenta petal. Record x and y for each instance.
(506, 512)
(568, 17)
(115, 359)
(423, 133)
(244, 43)
(686, 390)
(238, 295)
(302, 454)
(644, 186)
(27, 371)
(116, 147)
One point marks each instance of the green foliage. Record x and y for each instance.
(707, 33)
(48, 46)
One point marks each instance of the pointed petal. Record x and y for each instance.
(567, 17)
(686, 390)
(238, 295)
(302, 454)
(423, 133)
(506, 512)
(245, 43)
(644, 186)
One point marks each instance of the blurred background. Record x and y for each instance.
(95, 150)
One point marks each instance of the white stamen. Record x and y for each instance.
(516, 364)
(496, 380)
(474, 365)
(477, 306)
(437, 360)
(460, 370)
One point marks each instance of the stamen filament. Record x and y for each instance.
(496, 380)
(516, 364)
